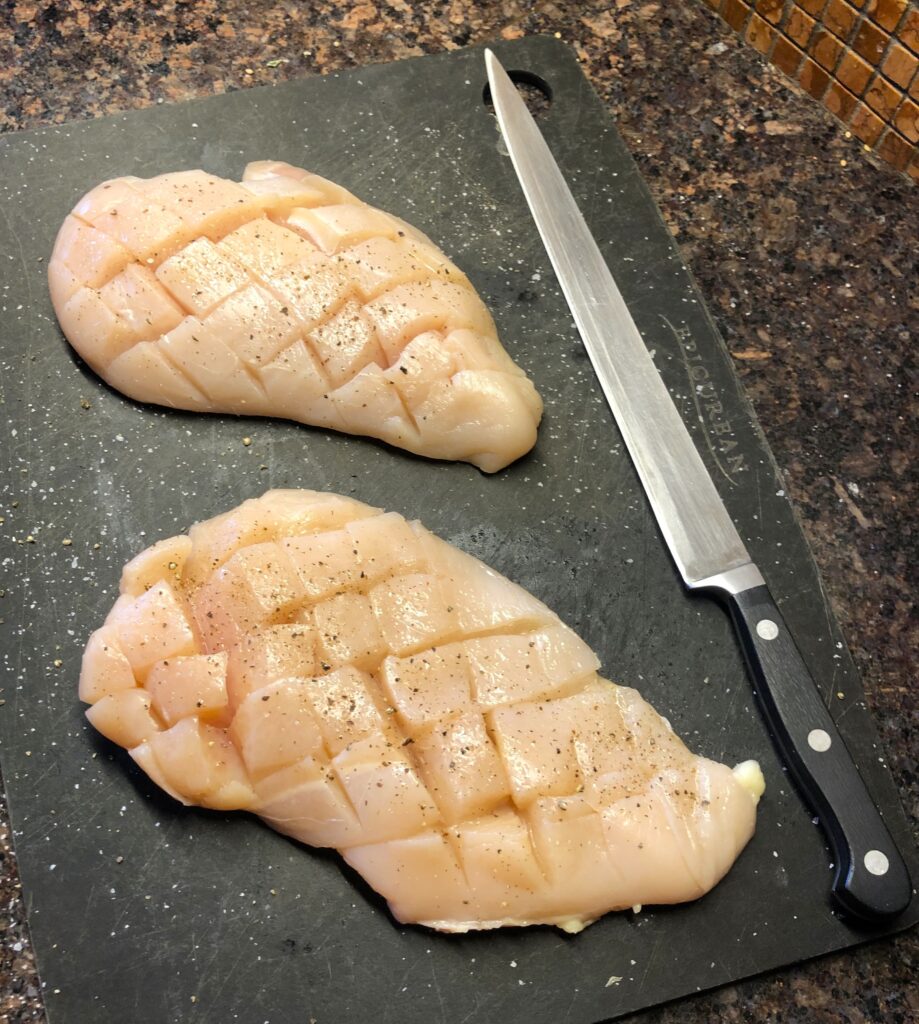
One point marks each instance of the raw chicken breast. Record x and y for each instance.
(361, 684)
(285, 295)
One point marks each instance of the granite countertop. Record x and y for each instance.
(800, 241)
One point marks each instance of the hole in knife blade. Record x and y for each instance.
(536, 92)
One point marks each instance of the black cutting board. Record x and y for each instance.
(214, 919)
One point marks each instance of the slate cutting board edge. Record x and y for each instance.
(548, 54)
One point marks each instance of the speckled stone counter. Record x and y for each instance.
(803, 245)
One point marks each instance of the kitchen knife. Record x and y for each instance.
(870, 879)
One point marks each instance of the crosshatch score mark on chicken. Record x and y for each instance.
(284, 295)
(361, 684)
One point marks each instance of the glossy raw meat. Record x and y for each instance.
(361, 684)
(284, 295)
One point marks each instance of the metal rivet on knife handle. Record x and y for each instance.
(819, 740)
(876, 862)
(767, 629)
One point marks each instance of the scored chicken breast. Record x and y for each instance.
(284, 295)
(361, 684)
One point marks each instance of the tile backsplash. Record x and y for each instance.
(857, 57)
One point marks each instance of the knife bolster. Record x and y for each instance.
(731, 581)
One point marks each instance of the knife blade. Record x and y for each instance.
(870, 879)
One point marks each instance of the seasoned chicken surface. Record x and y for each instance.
(361, 684)
(284, 295)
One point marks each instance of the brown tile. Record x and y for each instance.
(887, 13)
(907, 120)
(854, 73)
(840, 18)
(882, 97)
(870, 42)
(900, 65)
(735, 13)
(813, 7)
(909, 31)
(813, 78)
(799, 26)
(866, 124)
(786, 56)
(913, 169)
(914, 88)
(825, 48)
(760, 34)
(839, 101)
(895, 150)
(771, 10)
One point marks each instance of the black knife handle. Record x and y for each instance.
(871, 881)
